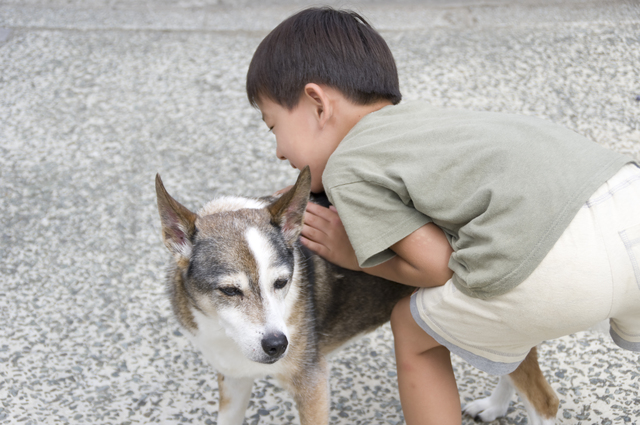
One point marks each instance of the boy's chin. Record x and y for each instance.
(317, 189)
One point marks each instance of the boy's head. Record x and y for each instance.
(335, 48)
(313, 77)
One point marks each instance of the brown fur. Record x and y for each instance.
(224, 401)
(531, 384)
(181, 304)
(313, 400)
(229, 232)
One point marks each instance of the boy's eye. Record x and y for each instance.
(271, 129)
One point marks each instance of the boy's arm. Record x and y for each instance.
(421, 259)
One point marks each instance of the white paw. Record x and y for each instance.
(486, 409)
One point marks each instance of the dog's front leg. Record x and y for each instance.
(310, 390)
(234, 399)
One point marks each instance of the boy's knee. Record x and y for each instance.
(409, 337)
(401, 314)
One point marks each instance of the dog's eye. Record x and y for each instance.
(280, 283)
(230, 291)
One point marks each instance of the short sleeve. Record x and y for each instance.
(375, 218)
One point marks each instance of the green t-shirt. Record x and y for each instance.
(502, 187)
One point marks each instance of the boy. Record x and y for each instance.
(515, 229)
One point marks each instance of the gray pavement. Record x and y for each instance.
(96, 96)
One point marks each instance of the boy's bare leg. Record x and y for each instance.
(428, 390)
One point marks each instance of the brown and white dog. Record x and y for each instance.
(256, 303)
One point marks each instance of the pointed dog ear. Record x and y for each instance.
(288, 211)
(178, 223)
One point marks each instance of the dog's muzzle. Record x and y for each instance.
(275, 344)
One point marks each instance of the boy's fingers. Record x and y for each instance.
(321, 211)
(315, 220)
(312, 233)
(319, 249)
(312, 220)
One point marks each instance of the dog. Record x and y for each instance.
(255, 302)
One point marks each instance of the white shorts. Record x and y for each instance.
(592, 273)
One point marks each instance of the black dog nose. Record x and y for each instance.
(274, 344)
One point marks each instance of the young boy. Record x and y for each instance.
(515, 229)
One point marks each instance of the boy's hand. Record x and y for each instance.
(324, 234)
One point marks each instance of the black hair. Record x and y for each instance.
(337, 48)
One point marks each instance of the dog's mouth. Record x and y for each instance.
(269, 360)
(264, 358)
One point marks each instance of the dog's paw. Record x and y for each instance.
(486, 409)
(536, 418)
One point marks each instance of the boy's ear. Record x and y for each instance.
(288, 211)
(319, 99)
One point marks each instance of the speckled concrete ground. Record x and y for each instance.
(96, 96)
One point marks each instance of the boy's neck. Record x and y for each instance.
(350, 113)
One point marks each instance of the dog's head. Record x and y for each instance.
(235, 263)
